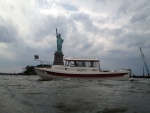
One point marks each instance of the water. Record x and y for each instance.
(27, 94)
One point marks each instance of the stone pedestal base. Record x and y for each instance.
(58, 58)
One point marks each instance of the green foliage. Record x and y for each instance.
(29, 70)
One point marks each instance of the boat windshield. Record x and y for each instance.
(78, 63)
(81, 63)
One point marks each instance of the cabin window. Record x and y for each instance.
(67, 63)
(72, 64)
(81, 64)
(78, 64)
(92, 64)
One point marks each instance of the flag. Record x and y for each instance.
(36, 57)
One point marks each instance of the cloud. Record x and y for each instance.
(8, 32)
(111, 31)
(69, 7)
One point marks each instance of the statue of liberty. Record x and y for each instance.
(59, 42)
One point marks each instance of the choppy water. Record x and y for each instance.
(27, 94)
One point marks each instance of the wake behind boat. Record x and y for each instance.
(78, 67)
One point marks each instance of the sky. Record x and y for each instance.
(109, 30)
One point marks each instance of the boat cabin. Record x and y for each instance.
(82, 64)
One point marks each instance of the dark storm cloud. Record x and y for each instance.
(82, 42)
(42, 3)
(86, 21)
(125, 8)
(8, 33)
(86, 30)
(136, 40)
(46, 27)
(116, 32)
(133, 40)
(140, 17)
(69, 7)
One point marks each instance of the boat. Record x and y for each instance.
(81, 68)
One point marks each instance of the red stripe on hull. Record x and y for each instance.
(86, 75)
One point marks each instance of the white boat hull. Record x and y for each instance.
(48, 74)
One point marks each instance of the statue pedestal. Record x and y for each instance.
(58, 58)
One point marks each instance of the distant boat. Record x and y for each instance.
(83, 68)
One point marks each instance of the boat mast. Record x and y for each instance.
(144, 61)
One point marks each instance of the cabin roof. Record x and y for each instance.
(80, 59)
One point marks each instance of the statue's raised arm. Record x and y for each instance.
(59, 42)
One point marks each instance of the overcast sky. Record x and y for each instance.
(110, 30)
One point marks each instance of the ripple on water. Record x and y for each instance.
(113, 110)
